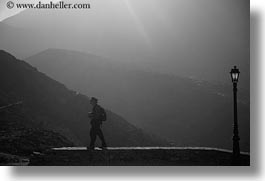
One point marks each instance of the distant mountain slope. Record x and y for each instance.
(179, 37)
(51, 105)
(99, 32)
(14, 40)
(188, 112)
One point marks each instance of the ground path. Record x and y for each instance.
(80, 156)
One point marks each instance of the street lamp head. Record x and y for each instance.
(235, 74)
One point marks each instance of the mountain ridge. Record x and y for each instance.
(183, 110)
(112, 30)
(50, 104)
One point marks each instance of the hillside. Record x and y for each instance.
(20, 135)
(50, 105)
(187, 111)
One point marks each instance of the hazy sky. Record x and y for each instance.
(5, 12)
(201, 38)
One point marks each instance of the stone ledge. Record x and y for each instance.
(138, 156)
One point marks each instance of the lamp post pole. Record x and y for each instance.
(236, 148)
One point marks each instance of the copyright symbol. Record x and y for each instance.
(9, 4)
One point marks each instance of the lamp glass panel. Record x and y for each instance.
(234, 76)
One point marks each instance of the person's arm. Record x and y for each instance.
(90, 115)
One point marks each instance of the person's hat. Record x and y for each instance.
(93, 99)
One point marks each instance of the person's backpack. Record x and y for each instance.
(103, 115)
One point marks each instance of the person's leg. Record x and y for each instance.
(101, 136)
(93, 135)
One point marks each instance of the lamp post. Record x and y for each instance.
(236, 150)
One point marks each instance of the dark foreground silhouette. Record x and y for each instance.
(138, 156)
(97, 116)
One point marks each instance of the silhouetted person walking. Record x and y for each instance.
(97, 116)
